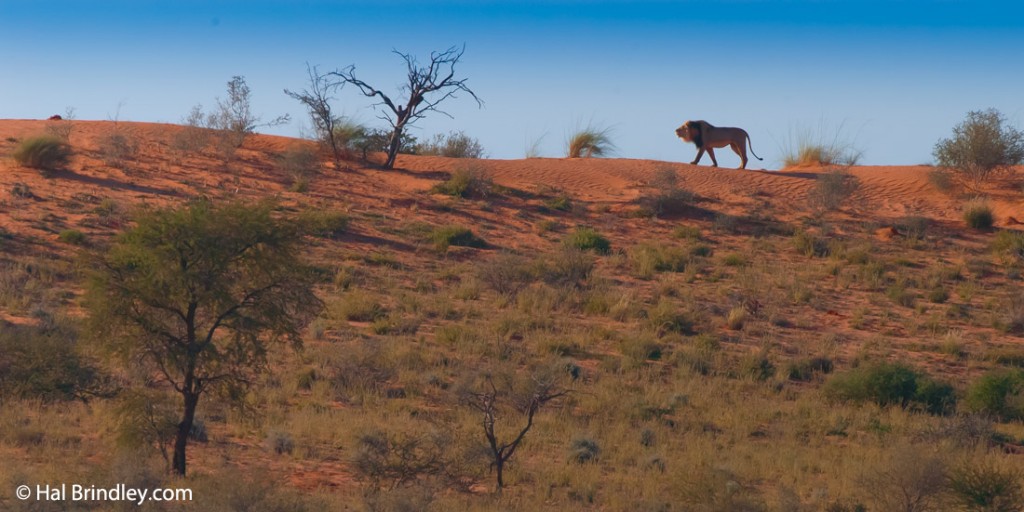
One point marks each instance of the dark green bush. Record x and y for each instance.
(978, 215)
(999, 393)
(324, 223)
(982, 147)
(45, 364)
(587, 239)
(44, 152)
(583, 450)
(72, 236)
(888, 384)
(466, 182)
(446, 236)
(806, 369)
(453, 145)
(987, 487)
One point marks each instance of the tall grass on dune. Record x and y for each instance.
(590, 142)
(819, 146)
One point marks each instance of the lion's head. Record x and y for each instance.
(690, 132)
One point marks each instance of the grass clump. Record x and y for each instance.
(466, 182)
(45, 152)
(978, 214)
(324, 223)
(447, 236)
(887, 384)
(588, 239)
(982, 147)
(813, 147)
(72, 236)
(1009, 245)
(648, 259)
(300, 163)
(590, 142)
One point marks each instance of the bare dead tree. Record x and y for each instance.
(317, 99)
(427, 88)
(542, 391)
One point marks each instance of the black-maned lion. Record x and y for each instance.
(707, 137)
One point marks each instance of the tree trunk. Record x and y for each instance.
(393, 146)
(500, 469)
(184, 428)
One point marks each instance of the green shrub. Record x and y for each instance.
(809, 245)
(446, 236)
(44, 152)
(806, 369)
(1009, 245)
(587, 239)
(986, 487)
(72, 236)
(455, 144)
(999, 393)
(647, 259)
(324, 223)
(466, 182)
(583, 450)
(982, 147)
(570, 267)
(978, 214)
(560, 202)
(888, 384)
(45, 364)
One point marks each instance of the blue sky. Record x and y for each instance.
(892, 77)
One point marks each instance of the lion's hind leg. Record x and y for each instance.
(740, 150)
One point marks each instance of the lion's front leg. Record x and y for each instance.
(700, 154)
(711, 153)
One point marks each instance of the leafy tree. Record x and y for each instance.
(982, 146)
(198, 295)
(426, 88)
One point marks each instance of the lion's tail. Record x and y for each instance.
(751, 146)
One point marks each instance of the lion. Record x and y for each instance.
(707, 137)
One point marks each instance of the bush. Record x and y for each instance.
(453, 145)
(466, 182)
(583, 450)
(648, 258)
(806, 369)
(45, 152)
(809, 245)
(832, 189)
(987, 487)
(324, 223)
(1009, 245)
(590, 142)
(891, 384)
(116, 148)
(507, 274)
(446, 236)
(982, 147)
(587, 239)
(999, 393)
(978, 214)
(72, 236)
(45, 364)
(570, 267)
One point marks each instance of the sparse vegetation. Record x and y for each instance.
(447, 236)
(590, 142)
(466, 181)
(982, 147)
(588, 239)
(978, 214)
(816, 148)
(453, 145)
(45, 152)
(833, 189)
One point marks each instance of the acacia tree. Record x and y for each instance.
(493, 400)
(426, 88)
(317, 99)
(197, 295)
(982, 146)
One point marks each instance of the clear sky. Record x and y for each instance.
(892, 77)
